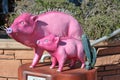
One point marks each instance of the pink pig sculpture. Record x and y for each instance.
(28, 28)
(63, 49)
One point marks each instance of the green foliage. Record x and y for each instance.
(101, 17)
(97, 17)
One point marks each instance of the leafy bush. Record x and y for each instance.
(101, 17)
(97, 17)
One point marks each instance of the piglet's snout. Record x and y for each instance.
(38, 42)
(9, 30)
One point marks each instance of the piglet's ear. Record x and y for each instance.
(56, 40)
(34, 17)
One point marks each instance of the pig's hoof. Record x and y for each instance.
(58, 70)
(83, 65)
(31, 67)
(51, 67)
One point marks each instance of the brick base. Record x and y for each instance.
(43, 70)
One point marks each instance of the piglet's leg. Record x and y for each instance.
(37, 56)
(61, 60)
(61, 64)
(54, 62)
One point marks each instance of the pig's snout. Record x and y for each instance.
(38, 42)
(9, 30)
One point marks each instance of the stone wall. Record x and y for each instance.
(108, 63)
(13, 54)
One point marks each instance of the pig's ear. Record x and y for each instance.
(34, 17)
(40, 23)
(56, 39)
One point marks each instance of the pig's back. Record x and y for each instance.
(71, 46)
(54, 16)
(61, 24)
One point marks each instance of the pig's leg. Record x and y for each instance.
(72, 63)
(61, 60)
(54, 62)
(37, 56)
(82, 59)
(83, 63)
(81, 56)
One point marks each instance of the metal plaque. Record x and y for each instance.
(35, 78)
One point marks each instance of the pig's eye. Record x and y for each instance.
(46, 40)
(22, 22)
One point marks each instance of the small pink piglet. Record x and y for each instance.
(62, 49)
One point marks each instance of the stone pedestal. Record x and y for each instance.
(43, 72)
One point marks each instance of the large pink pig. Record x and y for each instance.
(28, 28)
(61, 50)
